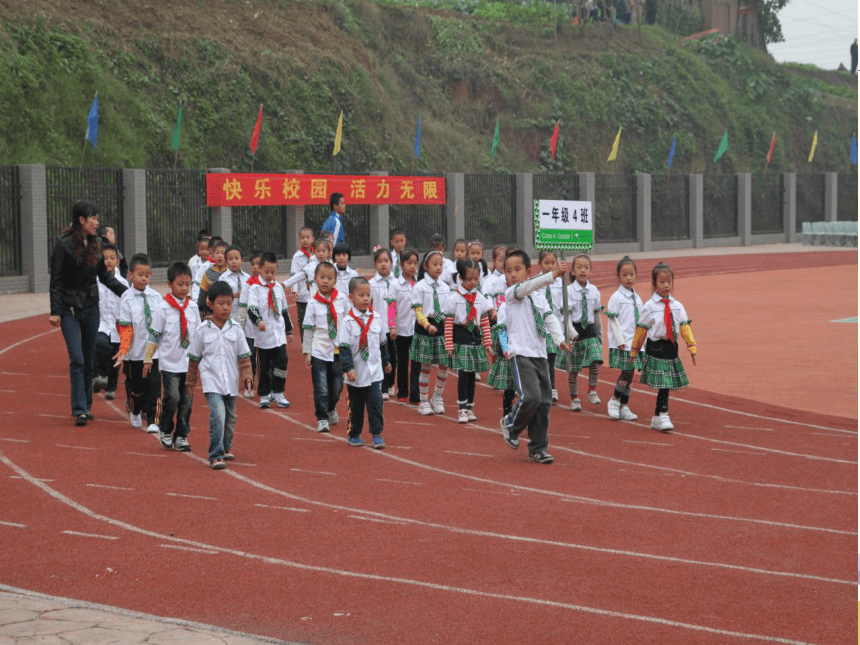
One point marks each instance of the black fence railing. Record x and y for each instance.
(10, 221)
(490, 205)
(846, 197)
(66, 185)
(564, 187)
(261, 228)
(767, 203)
(356, 225)
(810, 199)
(176, 211)
(419, 223)
(719, 206)
(670, 207)
(614, 208)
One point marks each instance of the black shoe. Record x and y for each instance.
(510, 438)
(542, 457)
(90, 416)
(81, 420)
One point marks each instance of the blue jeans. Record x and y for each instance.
(222, 418)
(80, 327)
(328, 383)
(176, 400)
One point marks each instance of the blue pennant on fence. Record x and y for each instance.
(418, 139)
(854, 148)
(93, 122)
(671, 152)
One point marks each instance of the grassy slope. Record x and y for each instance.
(383, 66)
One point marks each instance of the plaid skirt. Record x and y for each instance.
(663, 373)
(469, 358)
(561, 360)
(429, 350)
(620, 360)
(584, 353)
(500, 375)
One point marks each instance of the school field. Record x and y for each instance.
(735, 528)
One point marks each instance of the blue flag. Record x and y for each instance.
(93, 122)
(671, 152)
(854, 148)
(418, 138)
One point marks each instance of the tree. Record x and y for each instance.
(758, 24)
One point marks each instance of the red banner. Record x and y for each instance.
(293, 190)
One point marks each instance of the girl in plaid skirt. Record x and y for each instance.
(428, 345)
(467, 327)
(500, 372)
(548, 262)
(662, 320)
(583, 302)
(623, 311)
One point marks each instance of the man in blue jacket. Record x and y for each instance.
(334, 223)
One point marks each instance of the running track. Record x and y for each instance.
(739, 527)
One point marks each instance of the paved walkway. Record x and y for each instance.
(28, 618)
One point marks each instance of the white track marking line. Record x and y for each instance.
(214, 499)
(109, 487)
(403, 581)
(827, 434)
(398, 481)
(91, 535)
(14, 373)
(751, 428)
(14, 440)
(14, 524)
(18, 477)
(285, 508)
(309, 439)
(64, 445)
(416, 423)
(649, 443)
(9, 391)
(47, 393)
(469, 454)
(740, 452)
(373, 519)
(188, 548)
(242, 463)
(144, 454)
(27, 340)
(313, 472)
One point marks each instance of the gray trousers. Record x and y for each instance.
(534, 399)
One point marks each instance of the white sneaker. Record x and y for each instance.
(281, 400)
(385, 396)
(153, 429)
(655, 423)
(665, 423)
(593, 398)
(322, 426)
(555, 396)
(472, 416)
(438, 404)
(477, 377)
(626, 414)
(333, 418)
(249, 394)
(575, 405)
(613, 408)
(264, 402)
(392, 392)
(424, 408)
(463, 416)
(135, 420)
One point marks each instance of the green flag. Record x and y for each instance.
(175, 141)
(495, 140)
(724, 145)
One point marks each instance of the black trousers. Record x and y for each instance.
(408, 372)
(388, 379)
(144, 393)
(359, 398)
(273, 370)
(105, 351)
(253, 357)
(301, 307)
(465, 390)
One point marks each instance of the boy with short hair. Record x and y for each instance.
(267, 309)
(397, 240)
(342, 255)
(322, 253)
(322, 321)
(219, 353)
(364, 357)
(202, 252)
(244, 322)
(139, 321)
(181, 319)
(529, 319)
(197, 274)
(300, 259)
(108, 236)
(107, 339)
(212, 274)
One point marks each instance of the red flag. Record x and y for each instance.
(554, 141)
(256, 136)
(772, 144)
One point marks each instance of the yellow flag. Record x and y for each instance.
(338, 135)
(814, 143)
(614, 154)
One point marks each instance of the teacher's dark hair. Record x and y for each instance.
(90, 247)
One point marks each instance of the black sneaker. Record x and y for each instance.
(181, 444)
(542, 457)
(228, 456)
(110, 395)
(508, 436)
(81, 420)
(166, 440)
(90, 416)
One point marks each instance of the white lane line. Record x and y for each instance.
(491, 492)
(248, 434)
(751, 428)
(649, 443)
(66, 416)
(17, 477)
(309, 439)
(313, 472)
(388, 446)
(14, 373)
(14, 440)
(398, 481)
(416, 423)
(145, 454)
(470, 454)
(64, 445)
(740, 452)
(9, 391)
(401, 581)
(47, 393)
(92, 535)
(285, 508)
(109, 487)
(579, 436)
(373, 519)
(27, 340)
(188, 548)
(827, 434)
(192, 496)
(242, 463)
(15, 524)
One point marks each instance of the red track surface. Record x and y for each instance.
(738, 527)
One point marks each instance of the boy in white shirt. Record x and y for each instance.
(300, 259)
(242, 316)
(220, 354)
(202, 254)
(528, 318)
(363, 358)
(322, 253)
(397, 239)
(107, 339)
(342, 255)
(140, 320)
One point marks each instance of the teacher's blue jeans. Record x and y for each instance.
(80, 327)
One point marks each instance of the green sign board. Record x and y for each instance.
(563, 225)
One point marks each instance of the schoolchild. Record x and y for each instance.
(586, 331)
(437, 243)
(397, 240)
(383, 289)
(322, 253)
(495, 284)
(407, 370)
(475, 250)
(623, 311)
(300, 259)
(552, 293)
(342, 256)
(198, 272)
(212, 274)
(202, 254)
(499, 377)
(247, 325)
(107, 339)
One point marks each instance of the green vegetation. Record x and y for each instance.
(460, 64)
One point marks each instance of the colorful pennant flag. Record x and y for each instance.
(770, 152)
(854, 148)
(338, 135)
(671, 152)
(814, 143)
(554, 141)
(614, 154)
(255, 138)
(93, 122)
(495, 140)
(175, 141)
(724, 145)
(418, 138)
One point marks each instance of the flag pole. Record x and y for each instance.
(83, 152)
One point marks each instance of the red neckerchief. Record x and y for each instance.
(254, 279)
(307, 252)
(331, 310)
(362, 341)
(667, 319)
(471, 312)
(183, 321)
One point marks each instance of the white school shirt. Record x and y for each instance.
(449, 269)
(574, 302)
(197, 278)
(395, 263)
(109, 308)
(523, 337)
(369, 371)
(195, 262)
(131, 310)
(238, 281)
(218, 352)
(652, 315)
(494, 287)
(343, 278)
(250, 329)
(620, 306)
(455, 305)
(316, 317)
(382, 292)
(300, 260)
(405, 318)
(172, 356)
(306, 277)
(422, 294)
(258, 301)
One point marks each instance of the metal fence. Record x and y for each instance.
(419, 223)
(66, 185)
(564, 187)
(175, 212)
(767, 203)
(10, 221)
(720, 206)
(846, 197)
(356, 225)
(614, 208)
(810, 199)
(670, 207)
(262, 228)
(490, 205)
